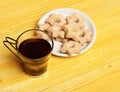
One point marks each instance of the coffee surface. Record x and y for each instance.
(34, 48)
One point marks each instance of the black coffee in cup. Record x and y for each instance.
(34, 48)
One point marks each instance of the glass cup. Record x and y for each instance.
(33, 49)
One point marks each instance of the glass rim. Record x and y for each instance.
(34, 30)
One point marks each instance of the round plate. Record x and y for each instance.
(89, 24)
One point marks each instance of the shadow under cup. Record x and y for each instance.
(33, 48)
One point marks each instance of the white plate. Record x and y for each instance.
(66, 12)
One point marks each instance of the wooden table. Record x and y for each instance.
(97, 70)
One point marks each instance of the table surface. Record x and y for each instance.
(97, 70)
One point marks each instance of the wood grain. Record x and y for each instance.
(97, 70)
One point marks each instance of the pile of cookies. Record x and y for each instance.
(70, 31)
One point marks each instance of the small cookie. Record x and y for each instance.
(56, 19)
(73, 31)
(56, 31)
(88, 35)
(54, 27)
(82, 40)
(56, 34)
(42, 35)
(75, 18)
(70, 48)
(43, 26)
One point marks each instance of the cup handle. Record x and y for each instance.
(12, 43)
